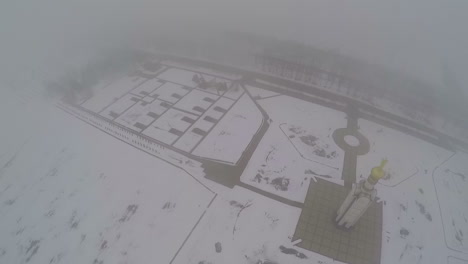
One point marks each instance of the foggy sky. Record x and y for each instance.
(415, 37)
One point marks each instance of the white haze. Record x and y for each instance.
(414, 37)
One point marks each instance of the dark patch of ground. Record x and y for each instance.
(258, 178)
(280, 183)
(32, 249)
(168, 206)
(236, 204)
(131, 210)
(269, 153)
(403, 207)
(96, 261)
(309, 140)
(10, 161)
(10, 202)
(387, 176)
(421, 191)
(50, 213)
(74, 222)
(292, 251)
(104, 245)
(296, 130)
(459, 236)
(56, 259)
(218, 247)
(422, 210)
(322, 153)
(404, 232)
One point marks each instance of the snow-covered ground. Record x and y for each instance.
(309, 127)
(194, 99)
(139, 114)
(412, 228)
(205, 123)
(228, 140)
(416, 213)
(291, 152)
(117, 108)
(234, 92)
(167, 91)
(244, 227)
(147, 87)
(71, 193)
(406, 154)
(105, 94)
(451, 181)
(165, 129)
(277, 168)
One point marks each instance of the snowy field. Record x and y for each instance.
(204, 124)
(412, 228)
(66, 197)
(297, 147)
(109, 93)
(73, 190)
(231, 136)
(275, 167)
(451, 181)
(141, 113)
(406, 154)
(244, 227)
(147, 87)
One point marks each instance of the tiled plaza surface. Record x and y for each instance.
(317, 229)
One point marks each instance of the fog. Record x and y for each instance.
(403, 47)
(414, 37)
(116, 111)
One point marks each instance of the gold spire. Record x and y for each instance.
(377, 173)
